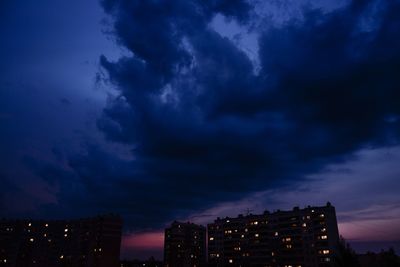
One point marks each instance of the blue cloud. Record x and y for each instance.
(204, 127)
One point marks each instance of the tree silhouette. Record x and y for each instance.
(346, 256)
(389, 259)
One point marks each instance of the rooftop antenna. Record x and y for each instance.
(248, 211)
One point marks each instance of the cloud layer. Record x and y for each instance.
(205, 127)
(194, 120)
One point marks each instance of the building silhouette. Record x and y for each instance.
(152, 262)
(185, 245)
(91, 242)
(297, 238)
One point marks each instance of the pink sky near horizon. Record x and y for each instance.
(366, 201)
(147, 240)
(364, 231)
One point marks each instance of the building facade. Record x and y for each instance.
(140, 263)
(185, 245)
(93, 242)
(297, 238)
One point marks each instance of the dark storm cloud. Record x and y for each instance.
(340, 79)
(205, 127)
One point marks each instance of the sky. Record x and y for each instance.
(188, 110)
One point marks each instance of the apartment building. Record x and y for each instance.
(90, 242)
(185, 245)
(296, 238)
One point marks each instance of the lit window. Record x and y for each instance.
(62, 257)
(324, 237)
(304, 225)
(211, 238)
(46, 225)
(230, 261)
(255, 223)
(256, 235)
(31, 240)
(276, 233)
(242, 236)
(30, 224)
(66, 230)
(323, 230)
(227, 221)
(325, 251)
(322, 215)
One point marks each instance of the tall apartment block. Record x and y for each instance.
(185, 245)
(297, 238)
(92, 242)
